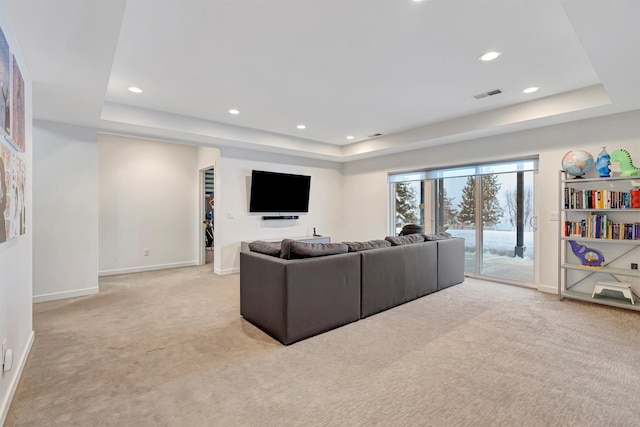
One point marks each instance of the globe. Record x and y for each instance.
(577, 162)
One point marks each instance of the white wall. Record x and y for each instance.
(207, 157)
(65, 203)
(16, 258)
(148, 199)
(365, 188)
(233, 221)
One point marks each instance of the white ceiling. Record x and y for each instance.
(408, 70)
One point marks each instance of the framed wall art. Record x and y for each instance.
(17, 106)
(5, 94)
(5, 175)
(13, 175)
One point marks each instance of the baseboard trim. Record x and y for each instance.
(146, 268)
(226, 271)
(6, 402)
(64, 295)
(548, 289)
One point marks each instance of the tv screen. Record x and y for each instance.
(273, 192)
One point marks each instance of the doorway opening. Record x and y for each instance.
(208, 216)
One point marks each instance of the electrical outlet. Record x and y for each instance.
(634, 266)
(146, 252)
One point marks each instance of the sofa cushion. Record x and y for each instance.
(266, 248)
(405, 240)
(365, 246)
(397, 275)
(293, 249)
(437, 236)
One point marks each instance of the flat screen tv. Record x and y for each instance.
(273, 192)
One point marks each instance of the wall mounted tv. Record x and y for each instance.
(273, 192)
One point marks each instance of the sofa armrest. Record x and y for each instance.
(262, 291)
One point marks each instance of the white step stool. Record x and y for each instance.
(623, 287)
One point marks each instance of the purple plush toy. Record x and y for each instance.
(588, 256)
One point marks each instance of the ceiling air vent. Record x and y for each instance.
(374, 135)
(489, 93)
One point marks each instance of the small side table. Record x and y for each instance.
(623, 287)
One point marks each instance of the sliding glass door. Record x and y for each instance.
(490, 206)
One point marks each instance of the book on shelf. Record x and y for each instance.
(601, 199)
(635, 198)
(601, 227)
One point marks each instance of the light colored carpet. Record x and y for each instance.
(170, 348)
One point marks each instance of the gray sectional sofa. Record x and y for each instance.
(296, 290)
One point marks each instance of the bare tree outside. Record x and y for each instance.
(511, 207)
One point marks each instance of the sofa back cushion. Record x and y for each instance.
(266, 248)
(294, 249)
(443, 235)
(405, 240)
(365, 246)
(397, 275)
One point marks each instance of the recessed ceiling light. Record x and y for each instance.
(530, 89)
(234, 111)
(490, 56)
(301, 127)
(135, 89)
(350, 137)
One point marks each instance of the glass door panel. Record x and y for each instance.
(494, 214)
(455, 213)
(507, 231)
(408, 204)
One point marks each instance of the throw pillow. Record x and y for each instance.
(267, 248)
(412, 229)
(299, 250)
(365, 246)
(285, 248)
(405, 240)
